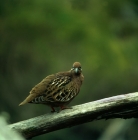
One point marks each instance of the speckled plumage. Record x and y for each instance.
(57, 90)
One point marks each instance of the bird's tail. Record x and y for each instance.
(22, 103)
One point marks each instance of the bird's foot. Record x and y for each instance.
(64, 107)
(61, 108)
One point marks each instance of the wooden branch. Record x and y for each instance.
(121, 106)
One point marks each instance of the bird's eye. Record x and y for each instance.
(72, 68)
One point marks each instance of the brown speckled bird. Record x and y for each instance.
(57, 90)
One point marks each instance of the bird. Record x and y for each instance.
(57, 90)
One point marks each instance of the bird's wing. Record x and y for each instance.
(56, 90)
(61, 89)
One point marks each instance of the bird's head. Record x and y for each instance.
(76, 69)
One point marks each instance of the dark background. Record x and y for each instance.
(41, 37)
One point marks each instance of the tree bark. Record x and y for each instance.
(121, 106)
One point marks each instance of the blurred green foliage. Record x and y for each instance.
(38, 38)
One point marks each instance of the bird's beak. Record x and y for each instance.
(76, 70)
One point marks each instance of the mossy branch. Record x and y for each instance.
(121, 106)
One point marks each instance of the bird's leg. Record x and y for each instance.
(53, 109)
